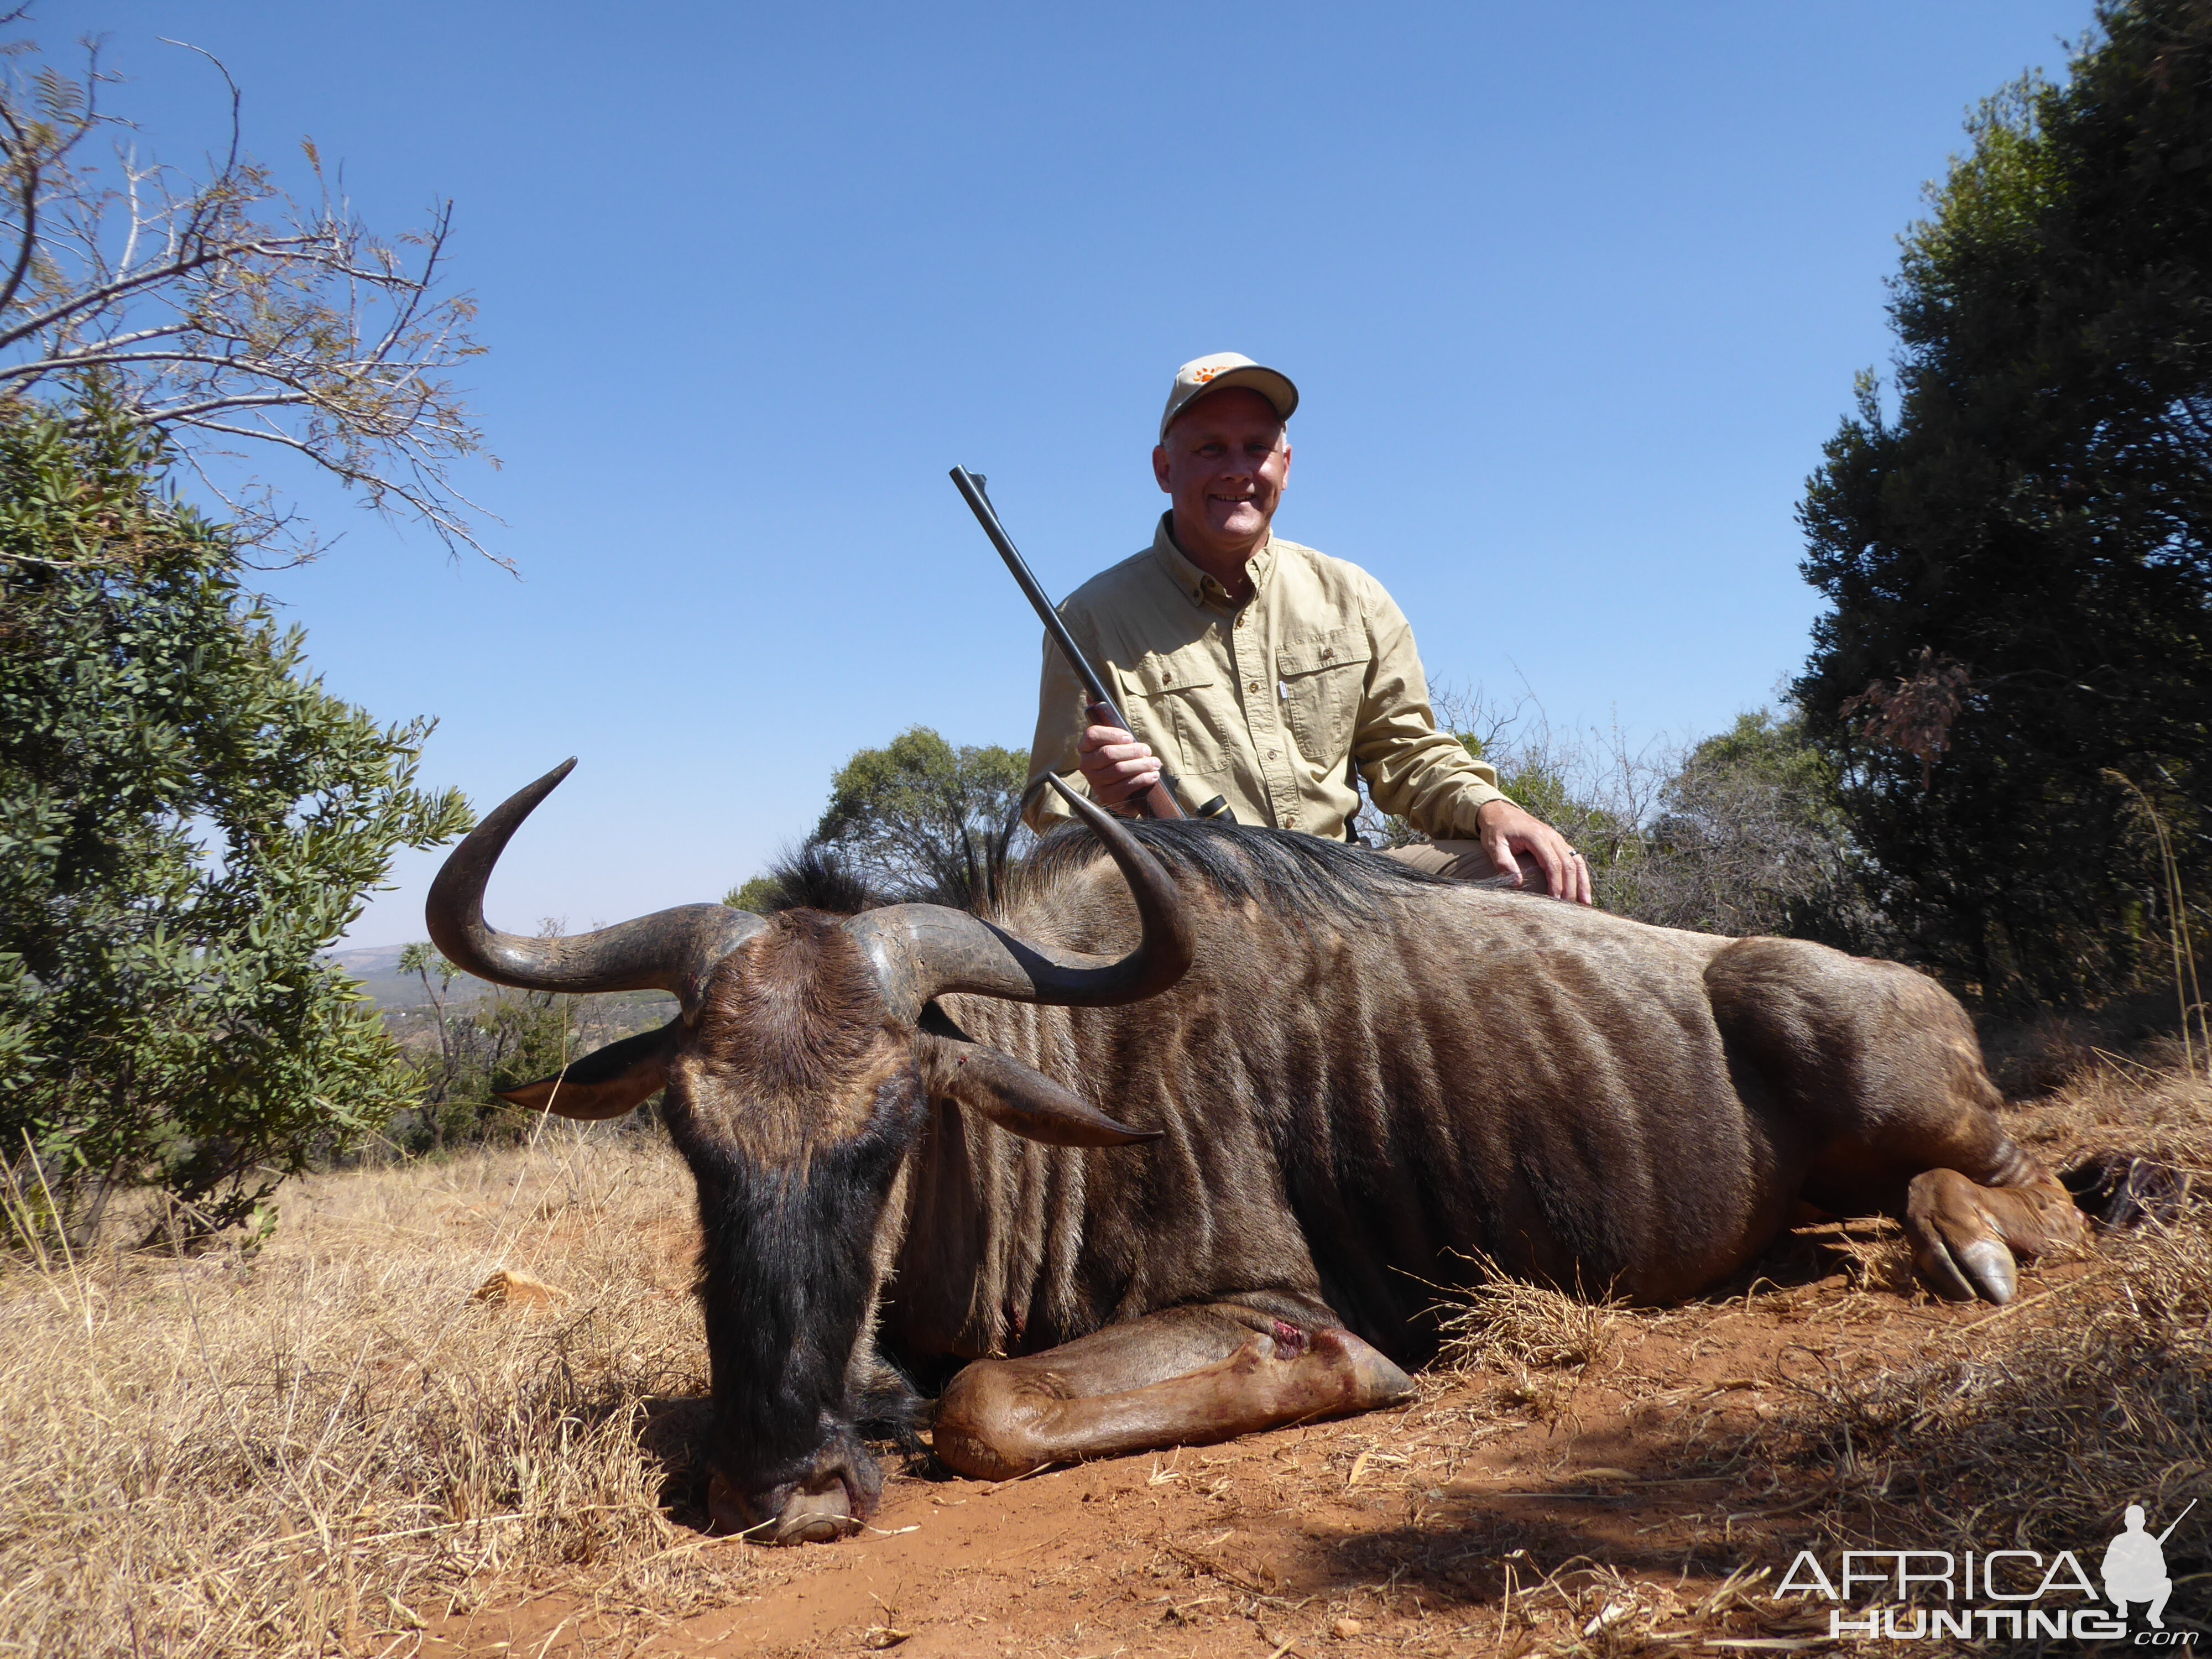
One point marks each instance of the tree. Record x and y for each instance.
(187, 821)
(2019, 561)
(921, 819)
(1739, 834)
(486, 1038)
(226, 312)
(1749, 838)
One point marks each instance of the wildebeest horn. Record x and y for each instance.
(669, 951)
(923, 951)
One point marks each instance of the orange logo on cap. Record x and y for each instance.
(1202, 375)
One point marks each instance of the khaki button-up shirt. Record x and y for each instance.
(1271, 702)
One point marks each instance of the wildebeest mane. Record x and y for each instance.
(814, 877)
(1279, 870)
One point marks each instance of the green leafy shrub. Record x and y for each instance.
(187, 821)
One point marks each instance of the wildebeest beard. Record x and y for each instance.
(785, 1273)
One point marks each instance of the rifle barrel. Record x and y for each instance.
(1161, 799)
(971, 490)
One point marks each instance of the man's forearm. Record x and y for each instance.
(1430, 780)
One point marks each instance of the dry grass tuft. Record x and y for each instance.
(315, 1449)
(1507, 1324)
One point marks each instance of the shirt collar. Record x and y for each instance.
(1194, 584)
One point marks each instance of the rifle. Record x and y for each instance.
(2178, 1520)
(1160, 801)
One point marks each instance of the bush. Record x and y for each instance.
(187, 822)
(461, 1049)
(1740, 834)
(1749, 838)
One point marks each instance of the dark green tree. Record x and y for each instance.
(187, 821)
(916, 819)
(2017, 559)
(922, 818)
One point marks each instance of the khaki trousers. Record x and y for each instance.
(1463, 860)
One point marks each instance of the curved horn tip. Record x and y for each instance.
(532, 794)
(1086, 808)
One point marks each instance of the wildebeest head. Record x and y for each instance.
(800, 1069)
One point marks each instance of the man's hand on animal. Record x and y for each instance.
(1264, 673)
(1508, 829)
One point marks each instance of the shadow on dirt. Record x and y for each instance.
(675, 1437)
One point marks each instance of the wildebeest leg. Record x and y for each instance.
(1879, 1066)
(1970, 1199)
(1182, 1377)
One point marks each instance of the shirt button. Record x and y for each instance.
(1254, 686)
(1240, 621)
(1271, 754)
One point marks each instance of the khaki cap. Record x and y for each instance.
(1217, 373)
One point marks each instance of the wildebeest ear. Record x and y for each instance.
(605, 1083)
(1026, 1103)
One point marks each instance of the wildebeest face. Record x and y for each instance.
(798, 1075)
(794, 1099)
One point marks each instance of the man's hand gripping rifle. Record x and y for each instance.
(1160, 801)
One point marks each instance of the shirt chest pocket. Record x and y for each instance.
(1323, 677)
(1174, 700)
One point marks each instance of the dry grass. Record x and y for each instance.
(317, 1449)
(2040, 1422)
(1505, 1323)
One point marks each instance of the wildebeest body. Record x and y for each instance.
(1171, 1146)
(1358, 1105)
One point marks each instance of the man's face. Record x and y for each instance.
(1224, 465)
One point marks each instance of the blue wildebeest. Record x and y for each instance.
(1170, 1143)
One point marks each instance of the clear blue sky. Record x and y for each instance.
(1574, 294)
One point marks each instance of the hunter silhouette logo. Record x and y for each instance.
(2018, 1594)
(2135, 1565)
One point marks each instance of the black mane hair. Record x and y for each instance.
(1278, 869)
(813, 877)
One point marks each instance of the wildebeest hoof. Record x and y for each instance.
(1939, 1273)
(1989, 1266)
(1375, 1381)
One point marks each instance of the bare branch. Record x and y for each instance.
(190, 304)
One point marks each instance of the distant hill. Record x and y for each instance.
(377, 968)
